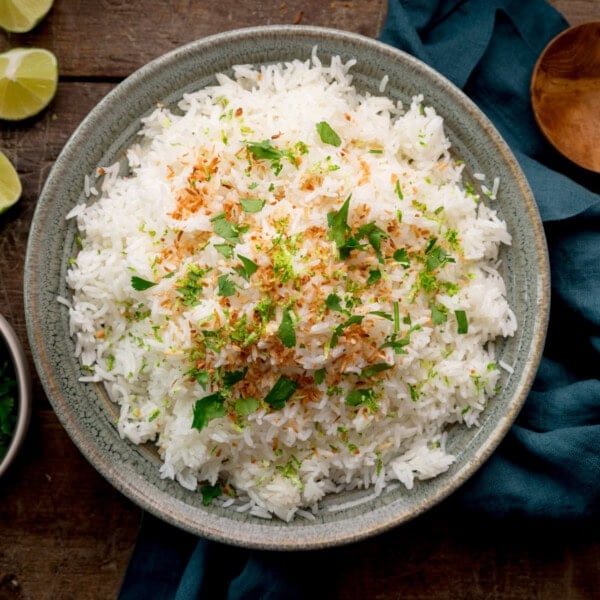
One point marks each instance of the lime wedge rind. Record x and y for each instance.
(10, 184)
(20, 16)
(28, 82)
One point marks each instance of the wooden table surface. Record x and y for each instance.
(64, 531)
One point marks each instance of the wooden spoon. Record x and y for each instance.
(565, 94)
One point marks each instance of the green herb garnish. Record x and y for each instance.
(247, 269)
(374, 234)
(230, 378)
(401, 256)
(319, 376)
(190, 288)
(398, 190)
(265, 151)
(226, 229)
(374, 370)
(208, 408)
(226, 286)
(362, 396)
(139, 284)
(252, 205)
(439, 314)
(334, 302)
(246, 406)
(281, 392)
(382, 314)
(225, 249)
(286, 331)
(327, 134)
(200, 375)
(374, 276)
(209, 493)
(462, 322)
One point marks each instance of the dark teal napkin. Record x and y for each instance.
(548, 467)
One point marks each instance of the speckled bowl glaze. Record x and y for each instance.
(84, 409)
(16, 354)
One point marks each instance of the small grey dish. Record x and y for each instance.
(83, 408)
(15, 353)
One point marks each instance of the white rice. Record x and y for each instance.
(429, 263)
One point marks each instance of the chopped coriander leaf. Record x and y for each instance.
(252, 205)
(401, 256)
(246, 406)
(319, 376)
(281, 392)
(200, 375)
(374, 276)
(397, 344)
(374, 234)
(375, 369)
(398, 190)
(247, 269)
(226, 286)
(327, 134)
(226, 229)
(334, 302)
(462, 322)
(264, 150)
(206, 409)
(230, 378)
(209, 493)
(437, 257)
(351, 244)
(286, 331)
(338, 223)
(362, 396)
(439, 314)
(225, 249)
(139, 284)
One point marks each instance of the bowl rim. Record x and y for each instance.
(18, 358)
(292, 539)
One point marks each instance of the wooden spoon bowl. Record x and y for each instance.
(565, 94)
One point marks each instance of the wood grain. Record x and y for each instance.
(112, 38)
(64, 531)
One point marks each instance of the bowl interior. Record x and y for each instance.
(84, 409)
(11, 347)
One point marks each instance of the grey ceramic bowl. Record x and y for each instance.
(16, 354)
(85, 411)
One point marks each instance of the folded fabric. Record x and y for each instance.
(548, 467)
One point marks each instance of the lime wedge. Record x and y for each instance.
(28, 80)
(19, 16)
(10, 184)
